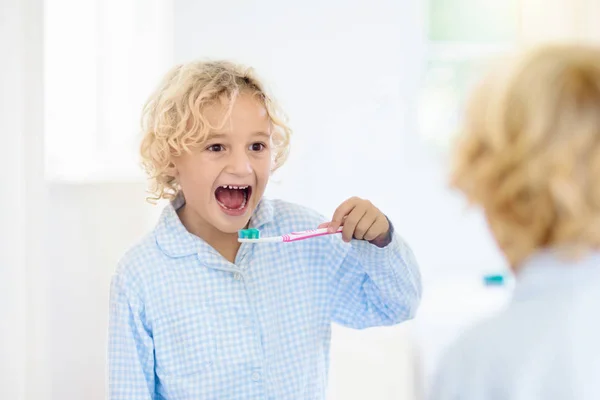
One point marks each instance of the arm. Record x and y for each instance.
(375, 285)
(130, 346)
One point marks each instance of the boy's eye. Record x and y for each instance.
(257, 146)
(215, 147)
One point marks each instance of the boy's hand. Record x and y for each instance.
(361, 220)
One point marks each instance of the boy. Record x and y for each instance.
(196, 315)
(530, 157)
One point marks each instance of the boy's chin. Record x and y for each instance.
(231, 227)
(230, 230)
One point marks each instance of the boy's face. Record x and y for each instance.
(225, 178)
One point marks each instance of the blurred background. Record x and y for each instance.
(374, 91)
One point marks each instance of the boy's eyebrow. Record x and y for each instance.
(215, 135)
(260, 133)
(220, 135)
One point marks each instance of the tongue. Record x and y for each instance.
(230, 198)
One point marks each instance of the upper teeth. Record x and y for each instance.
(234, 187)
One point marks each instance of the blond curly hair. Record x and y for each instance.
(529, 152)
(173, 120)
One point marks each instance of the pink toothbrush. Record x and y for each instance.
(253, 235)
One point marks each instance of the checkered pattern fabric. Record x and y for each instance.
(187, 324)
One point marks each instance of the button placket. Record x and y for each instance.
(238, 275)
(249, 321)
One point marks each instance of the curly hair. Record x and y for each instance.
(173, 120)
(529, 152)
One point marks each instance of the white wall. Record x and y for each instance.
(13, 273)
(22, 202)
(91, 225)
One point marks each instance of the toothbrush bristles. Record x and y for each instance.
(251, 233)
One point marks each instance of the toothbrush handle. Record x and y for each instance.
(274, 239)
(294, 236)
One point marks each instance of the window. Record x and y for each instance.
(462, 37)
(102, 59)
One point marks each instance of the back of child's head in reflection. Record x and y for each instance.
(529, 158)
(529, 153)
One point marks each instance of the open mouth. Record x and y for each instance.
(233, 199)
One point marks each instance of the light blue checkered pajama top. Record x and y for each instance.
(187, 324)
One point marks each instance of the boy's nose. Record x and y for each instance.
(239, 164)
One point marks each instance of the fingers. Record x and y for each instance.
(366, 224)
(359, 219)
(380, 225)
(352, 221)
(342, 211)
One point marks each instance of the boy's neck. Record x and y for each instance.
(225, 244)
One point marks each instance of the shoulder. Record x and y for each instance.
(498, 352)
(481, 341)
(138, 264)
(468, 364)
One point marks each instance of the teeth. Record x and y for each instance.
(234, 187)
